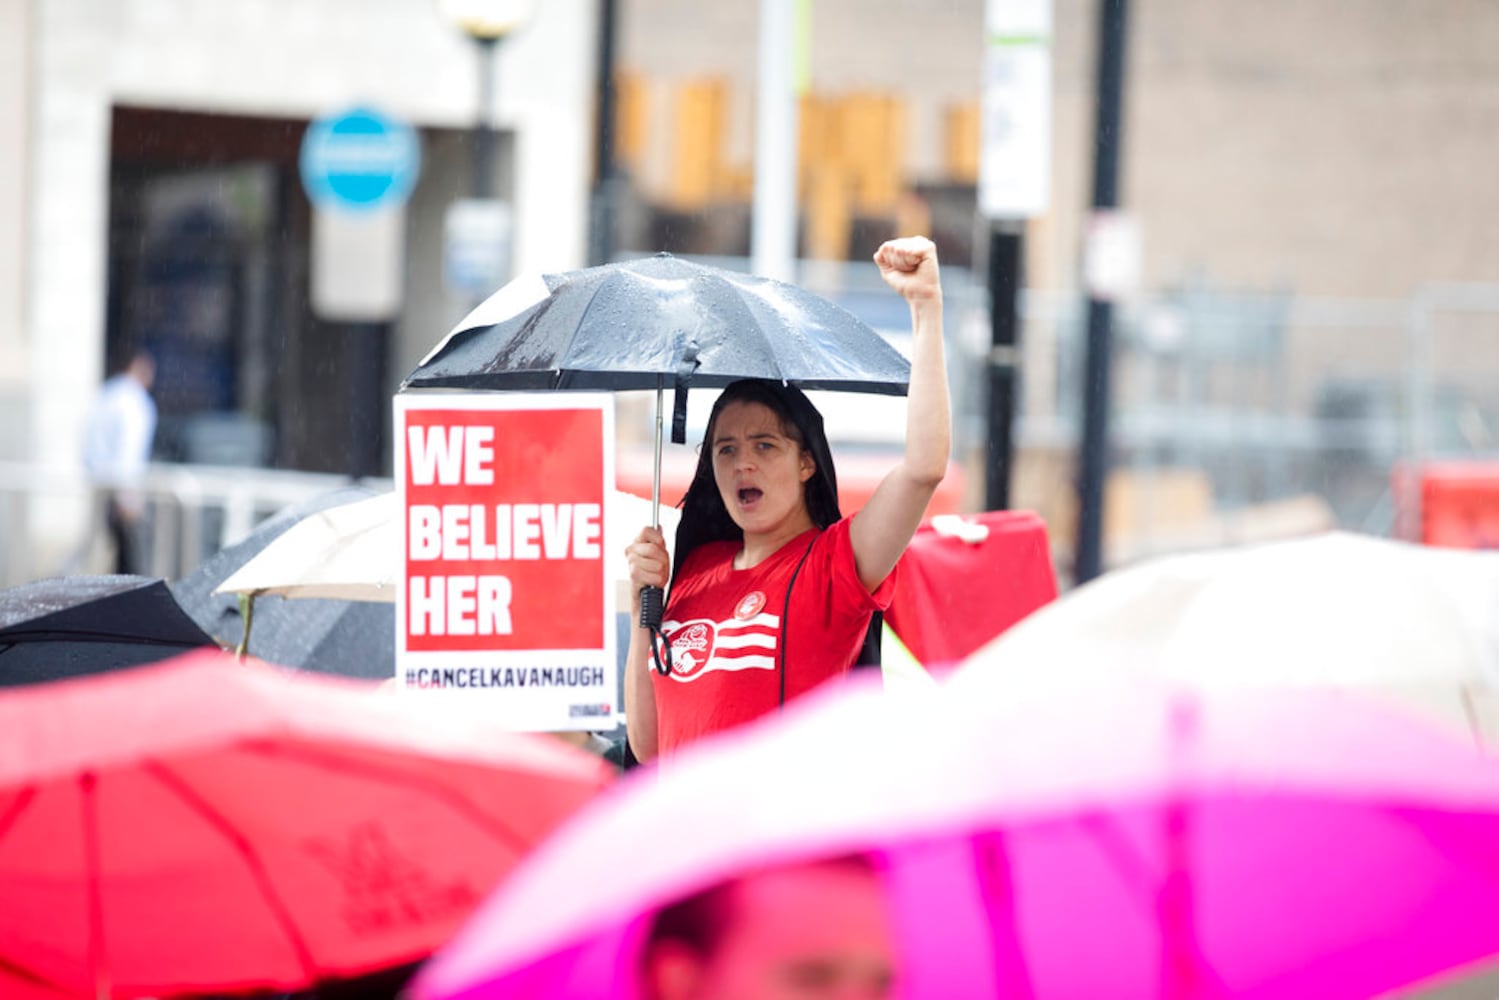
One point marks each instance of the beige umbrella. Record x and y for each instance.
(1414, 623)
(349, 552)
(352, 551)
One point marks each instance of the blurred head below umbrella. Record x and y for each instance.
(814, 929)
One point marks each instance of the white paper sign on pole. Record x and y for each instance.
(1015, 150)
(504, 592)
(358, 263)
(1112, 257)
(476, 237)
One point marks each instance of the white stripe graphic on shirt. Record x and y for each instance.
(729, 664)
(759, 632)
(745, 640)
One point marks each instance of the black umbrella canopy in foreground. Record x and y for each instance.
(351, 638)
(75, 625)
(641, 323)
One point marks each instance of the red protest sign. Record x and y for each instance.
(504, 524)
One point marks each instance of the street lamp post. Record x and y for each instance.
(486, 22)
(1107, 151)
(476, 230)
(484, 130)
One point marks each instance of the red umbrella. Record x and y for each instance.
(202, 825)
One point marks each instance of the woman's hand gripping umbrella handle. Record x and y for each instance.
(649, 567)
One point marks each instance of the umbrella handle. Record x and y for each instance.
(652, 607)
(652, 610)
(247, 612)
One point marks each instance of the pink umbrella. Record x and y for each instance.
(1114, 838)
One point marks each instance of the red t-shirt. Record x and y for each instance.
(725, 629)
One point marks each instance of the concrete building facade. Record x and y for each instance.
(110, 109)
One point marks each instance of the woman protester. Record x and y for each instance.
(772, 591)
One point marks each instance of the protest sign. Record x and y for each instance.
(504, 592)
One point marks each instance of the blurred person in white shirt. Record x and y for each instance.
(116, 449)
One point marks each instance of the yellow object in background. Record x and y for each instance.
(899, 668)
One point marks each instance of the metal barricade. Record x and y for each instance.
(51, 521)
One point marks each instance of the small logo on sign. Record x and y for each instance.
(749, 605)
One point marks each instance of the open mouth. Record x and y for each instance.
(749, 495)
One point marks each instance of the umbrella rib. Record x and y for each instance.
(1004, 925)
(577, 329)
(1449, 846)
(763, 312)
(19, 971)
(498, 830)
(89, 806)
(1122, 856)
(749, 302)
(175, 783)
(7, 823)
(1183, 964)
(50, 635)
(22, 800)
(1181, 956)
(10, 965)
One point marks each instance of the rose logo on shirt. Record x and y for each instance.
(749, 605)
(691, 649)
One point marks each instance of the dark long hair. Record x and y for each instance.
(704, 516)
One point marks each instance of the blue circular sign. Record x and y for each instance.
(359, 159)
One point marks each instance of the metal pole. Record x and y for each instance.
(484, 137)
(1006, 263)
(365, 352)
(601, 232)
(1418, 398)
(773, 212)
(1093, 456)
(656, 476)
(653, 599)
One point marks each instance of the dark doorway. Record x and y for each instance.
(208, 268)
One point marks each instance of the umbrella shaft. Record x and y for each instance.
(656, 477)
(652, 599)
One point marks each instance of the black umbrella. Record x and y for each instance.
(352, 638)
(75, 625)
(642, 324)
